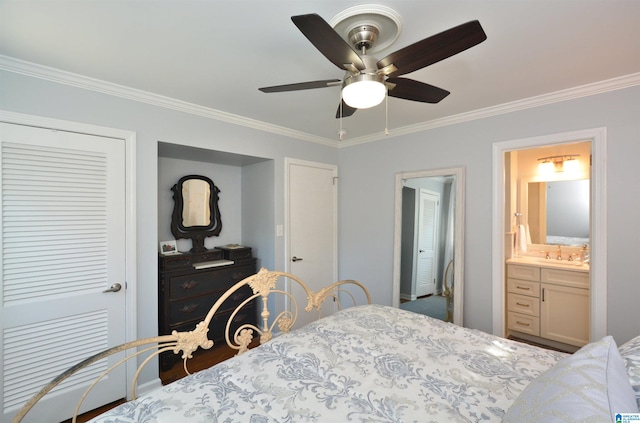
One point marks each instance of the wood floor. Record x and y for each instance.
(199, 362)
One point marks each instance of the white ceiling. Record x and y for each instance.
(216, 54)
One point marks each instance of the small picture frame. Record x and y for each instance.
(168, 248)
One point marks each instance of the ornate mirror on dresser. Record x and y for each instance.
(196, 214)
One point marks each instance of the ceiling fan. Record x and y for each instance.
(367, 79)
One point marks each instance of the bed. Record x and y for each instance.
(374, 363)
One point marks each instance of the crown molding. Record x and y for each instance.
(34, 70)
(612, 84)
(14, 65)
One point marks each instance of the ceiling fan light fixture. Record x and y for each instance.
(363, 91)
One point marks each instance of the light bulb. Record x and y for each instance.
(571, 166)
(546, 168)
(363, 91)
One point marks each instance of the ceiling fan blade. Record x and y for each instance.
(435, 48)
(346, 110)
(301, 86)
(327, 41)
(410, 89)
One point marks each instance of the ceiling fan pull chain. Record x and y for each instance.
(340, 132)
(386, 111)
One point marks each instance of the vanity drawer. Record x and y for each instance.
(529, 273)
(566, 278)
(523, 287)
(523, 304)
(522, 323)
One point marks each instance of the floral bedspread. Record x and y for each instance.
(364, 364)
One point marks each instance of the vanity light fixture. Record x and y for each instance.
(551, 164)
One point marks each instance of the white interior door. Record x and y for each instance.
(63, 244)
(311, 227)
(426, 263)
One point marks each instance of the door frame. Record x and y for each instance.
(458, 228)
(129, 138)
(598, 269)
(288, 162)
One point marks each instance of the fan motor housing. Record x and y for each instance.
(363, 36)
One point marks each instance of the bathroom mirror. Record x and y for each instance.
(558, 212)
(196, 214)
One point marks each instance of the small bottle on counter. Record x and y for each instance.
(584, 254)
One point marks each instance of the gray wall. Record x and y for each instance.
(22, 94)
(367, 172)
(367, 184)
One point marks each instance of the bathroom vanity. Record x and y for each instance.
(548, 301)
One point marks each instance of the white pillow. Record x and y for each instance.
(590, 385)
(630, 352)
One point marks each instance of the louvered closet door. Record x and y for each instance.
(63, 234)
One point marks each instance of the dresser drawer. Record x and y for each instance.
(523, 323)
(523, 304)
(195, 309)
(211, 281)
(522, 287)
(185, 261)
(529, 273)
(218, 323)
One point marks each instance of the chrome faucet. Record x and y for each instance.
(559, 253)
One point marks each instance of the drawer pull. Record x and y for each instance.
(526, 288)
(522, 305)
(189, 308)
(523, 324)
(189, 285)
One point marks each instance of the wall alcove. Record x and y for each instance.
(246, 198)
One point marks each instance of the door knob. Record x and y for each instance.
(114, 288)
(294, 258)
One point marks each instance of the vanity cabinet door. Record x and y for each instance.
(564, 314)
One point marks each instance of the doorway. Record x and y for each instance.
(449, 272)
(69, 252)
(502, 223)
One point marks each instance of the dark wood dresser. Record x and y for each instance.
(186, 293)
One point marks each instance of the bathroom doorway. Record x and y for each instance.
(502, 223)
